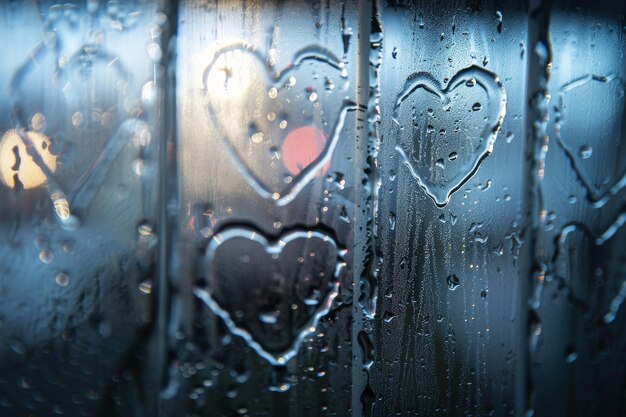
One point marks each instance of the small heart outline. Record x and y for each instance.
(596, 197)
(596, 240)
(425, 80)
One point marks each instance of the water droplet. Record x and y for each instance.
(239, 373)
(145, 228)
(388, 316)
(394, 52)
(570, 354)
(477, 107)
(585, 152)
(273, 93)
(154, 51)
(499, 20)
(62, 279)
(392, 220)
(38, 122)
(232, 392)
(77, 119)
(284, 387)
(145, 287)
(138, 167)
(270, 317)
(329, 84)
(46, 256)
(257, 137)
(148, 94)
(452, 156)
(453, 282)
(61, 206)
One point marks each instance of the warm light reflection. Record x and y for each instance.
(302, 147)
(17, 166)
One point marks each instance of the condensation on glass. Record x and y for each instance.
(305, 207)
(79, 141)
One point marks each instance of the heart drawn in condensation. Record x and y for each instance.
(445, 133)
(589, 128)
(272, 292)
(590, 267)
(281, 127)
(85, 118)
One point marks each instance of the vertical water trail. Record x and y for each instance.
(167, 191)
(539, 67)
(371, 50)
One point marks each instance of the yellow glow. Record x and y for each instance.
(28, 172)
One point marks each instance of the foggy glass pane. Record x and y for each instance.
(272, 143)
(451, 216)
(577, 366)
(312, 208)
(78, 202)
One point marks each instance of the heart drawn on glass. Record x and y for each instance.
(280, 127)
(272, 292)
(84, 122)
(589, 129)
(588, 266)
(445, 133)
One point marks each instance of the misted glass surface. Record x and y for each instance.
(312, 208)
(78, 160)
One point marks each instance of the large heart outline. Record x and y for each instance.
(273, 247)
(274, 80)
(76, 199)
(597, 195)
(480, 143)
